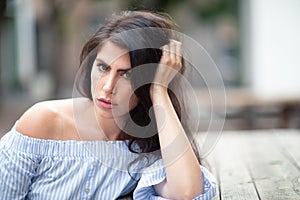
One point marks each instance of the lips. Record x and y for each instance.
(106, 103)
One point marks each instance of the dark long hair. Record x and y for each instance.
(142, 34)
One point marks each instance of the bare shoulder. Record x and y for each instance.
(44, 119)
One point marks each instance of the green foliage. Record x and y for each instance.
(211, 10)
(152, 5)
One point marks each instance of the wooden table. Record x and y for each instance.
(262, 164)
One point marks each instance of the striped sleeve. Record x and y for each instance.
(145, 189)
(16, 171)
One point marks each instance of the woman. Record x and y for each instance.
(127, 116)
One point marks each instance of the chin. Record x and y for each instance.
(110, 114)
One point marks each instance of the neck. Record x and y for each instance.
(112, 128)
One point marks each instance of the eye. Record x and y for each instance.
(127, 75)
(102, 67)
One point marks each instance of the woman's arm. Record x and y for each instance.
(184, 177)
(17, 168)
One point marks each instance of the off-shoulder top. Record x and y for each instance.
(32, 168)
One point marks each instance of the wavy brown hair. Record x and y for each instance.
(134, 31)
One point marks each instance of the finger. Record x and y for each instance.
(165, 54)
(172, 46)
(177, 46)
(179, 53)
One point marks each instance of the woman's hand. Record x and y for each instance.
(169, 65)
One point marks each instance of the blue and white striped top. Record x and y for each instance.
(32, 168)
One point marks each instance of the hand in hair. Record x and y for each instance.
(169, 66)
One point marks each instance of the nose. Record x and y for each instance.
(110, 83)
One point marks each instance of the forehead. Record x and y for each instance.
(114, 55)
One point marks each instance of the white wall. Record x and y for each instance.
(272, 47)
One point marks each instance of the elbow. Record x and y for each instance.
(191, 193)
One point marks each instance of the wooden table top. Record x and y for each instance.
(262, 164)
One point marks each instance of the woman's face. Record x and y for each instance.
(111, 88)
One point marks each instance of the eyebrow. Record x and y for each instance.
(119, 70)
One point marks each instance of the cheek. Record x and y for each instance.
(95, 77)
(133, 101)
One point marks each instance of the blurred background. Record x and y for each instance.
(255, 45)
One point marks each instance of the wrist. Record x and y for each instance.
(157, 90)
